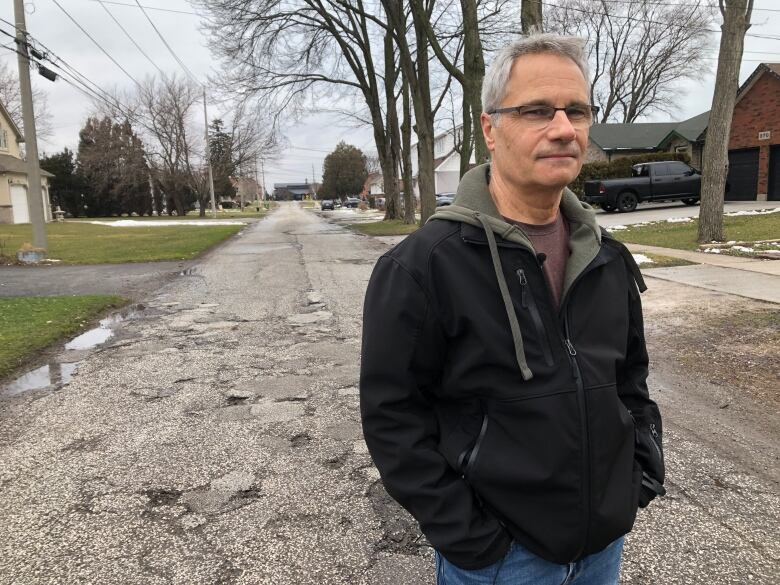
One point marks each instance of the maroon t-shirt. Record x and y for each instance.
(552, 240)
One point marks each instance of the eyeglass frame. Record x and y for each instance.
(516, 109)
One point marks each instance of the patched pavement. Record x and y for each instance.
(216, 439)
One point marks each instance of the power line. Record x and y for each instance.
(162, 38)
(647, 3)
(73, 77)
(129, 36)
(99, 46)
(149, 7)
(647, 20)
(60, 63)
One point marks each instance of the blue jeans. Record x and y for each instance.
(522, 567)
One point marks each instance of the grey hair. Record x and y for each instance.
(497, 76)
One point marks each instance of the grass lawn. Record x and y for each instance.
(29, 324)
(683, 236)
(83, 243)
(393, 227)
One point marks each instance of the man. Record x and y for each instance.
(503, 377)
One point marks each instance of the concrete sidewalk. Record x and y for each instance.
(735, 275)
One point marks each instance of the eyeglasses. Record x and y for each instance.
(540, 115)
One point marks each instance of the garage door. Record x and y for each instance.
(743, 175)
(774, 173)
(19, 204)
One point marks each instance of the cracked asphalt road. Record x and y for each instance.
(216, 439)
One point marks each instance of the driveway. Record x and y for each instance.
(133, 280)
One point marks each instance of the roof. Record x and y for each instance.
(11, 164)
(14, 127)
(630, 136)
(649, 135)
(772, 69)
(693, 128)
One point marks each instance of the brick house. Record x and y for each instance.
(754, 144)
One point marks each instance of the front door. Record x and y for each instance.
(19, 204)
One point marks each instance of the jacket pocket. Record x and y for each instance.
(468, 459)
(528, 303)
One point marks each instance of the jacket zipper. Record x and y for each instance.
(572, 352)
(528, 302)
(654, 440)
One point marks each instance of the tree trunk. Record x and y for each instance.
(736, 21)
(474, 72)
(393, 141)
(406, 156)
(531, 16)
(419, 82)
(466, 142)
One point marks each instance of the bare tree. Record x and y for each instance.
(12, 100)
(639, 51)
(736, 22)
(167, 109)
(278, 53)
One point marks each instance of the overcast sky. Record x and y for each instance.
(310, 140)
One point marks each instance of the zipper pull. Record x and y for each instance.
(523, 288)
(653, 431)
(570, 348)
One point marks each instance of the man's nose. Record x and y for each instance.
(560, 128)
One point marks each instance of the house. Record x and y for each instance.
(295, 191)
(374, 185)
(14, 207)
(446, 161)
(247, 189)
(608, 141)
(754, 144)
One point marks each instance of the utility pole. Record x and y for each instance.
(531, 16)
(208, 155)
(736, 21)
(262, 177)
(34, 192)
(313, 182)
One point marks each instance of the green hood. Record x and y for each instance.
(474, 205)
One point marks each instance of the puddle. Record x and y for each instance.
(99, 334)
(60, 373)
(57, 374)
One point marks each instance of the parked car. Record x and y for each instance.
(652, 181)
(327, 205)
(352, 202)
(443, 199)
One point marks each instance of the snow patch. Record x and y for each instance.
(679, 220)
(642, 259)
(712, 250)
(753, 212)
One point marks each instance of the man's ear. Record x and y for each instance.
(487, 130)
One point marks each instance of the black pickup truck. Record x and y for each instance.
(653, 181)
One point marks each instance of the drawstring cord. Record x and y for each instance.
(514, 325)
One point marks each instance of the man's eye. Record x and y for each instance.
(535, 113)
(577, 113)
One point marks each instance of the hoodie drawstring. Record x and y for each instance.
(514, 325)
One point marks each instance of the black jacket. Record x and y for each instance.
(492, 416)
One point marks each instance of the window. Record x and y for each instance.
(4, 139)
(678, 168)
